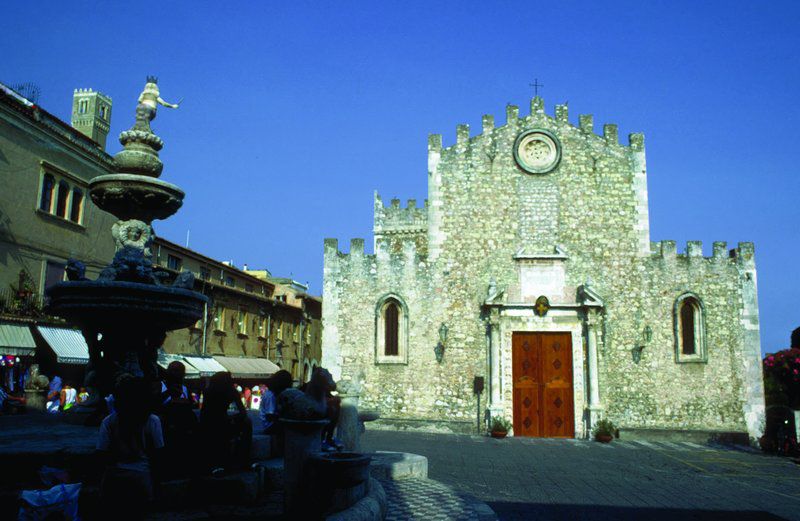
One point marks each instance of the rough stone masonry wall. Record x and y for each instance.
(354, 283)
(482, 210)
(659, 392)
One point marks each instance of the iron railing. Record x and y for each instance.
(21, 303)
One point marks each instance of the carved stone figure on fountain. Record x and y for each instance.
(310, 404)
(134, 233)
(149, 100)
(130, 264)
(75, 270)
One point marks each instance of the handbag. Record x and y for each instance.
(38, 505)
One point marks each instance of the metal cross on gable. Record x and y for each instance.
(536, 86)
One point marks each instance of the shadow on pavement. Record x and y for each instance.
(519, 511)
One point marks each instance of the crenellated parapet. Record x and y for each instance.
(396, 219)
(538, 116)
(743, 255)
(387, 261)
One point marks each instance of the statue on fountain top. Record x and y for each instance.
(149, 100)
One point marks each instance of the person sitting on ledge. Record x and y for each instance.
(268, 408)
(130, 441)
(54, 395)
(178, 420)
(68, 397)
(10, 403)
(227, 438)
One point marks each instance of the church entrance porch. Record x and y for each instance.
(542, 382)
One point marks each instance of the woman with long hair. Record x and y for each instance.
(130, 440)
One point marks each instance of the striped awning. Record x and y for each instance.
(248, 367)
(16, 339)
(207, 366)
(165, 359)
(68, 345)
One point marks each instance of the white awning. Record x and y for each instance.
(248, 367)
(207, 366)
(68, 344)
(16, 339)
(166, 359)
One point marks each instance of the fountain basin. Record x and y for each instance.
(341, 469)
(104, 305)
(132, 196)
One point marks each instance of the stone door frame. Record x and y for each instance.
(583, 321)
(523, 319)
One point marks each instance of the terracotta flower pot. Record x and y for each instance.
(499, 434)
(604, 438)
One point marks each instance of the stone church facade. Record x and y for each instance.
(530, 266)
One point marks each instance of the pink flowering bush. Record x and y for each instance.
(782, 377)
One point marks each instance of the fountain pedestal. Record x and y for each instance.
(302, 438)
(349, 429)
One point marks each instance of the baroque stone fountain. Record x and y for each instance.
(124, 314)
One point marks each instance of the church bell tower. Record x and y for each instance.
(91, 115)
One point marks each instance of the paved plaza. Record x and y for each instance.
(543, 479)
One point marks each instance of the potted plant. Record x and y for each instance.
(604, 430)
(499, 427)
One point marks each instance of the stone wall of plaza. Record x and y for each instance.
(247, 316)
(492, 238)
(36, 232)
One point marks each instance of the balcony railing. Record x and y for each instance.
(21, 303)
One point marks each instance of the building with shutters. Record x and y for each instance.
(252, 318)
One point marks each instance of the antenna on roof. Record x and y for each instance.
(28, 90)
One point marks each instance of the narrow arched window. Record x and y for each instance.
(392, 314)
(77, 205)
(689, 329)
(391, 330)
(61, 199)
(46, 201)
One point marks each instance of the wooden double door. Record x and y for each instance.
(542, 377)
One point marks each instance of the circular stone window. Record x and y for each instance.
(537, 151)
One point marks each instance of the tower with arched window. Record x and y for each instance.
(91, 114)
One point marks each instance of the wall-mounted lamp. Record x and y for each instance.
(647, 336)
(439, 349)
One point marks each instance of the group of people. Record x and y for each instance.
(62, 397)
(142, 440)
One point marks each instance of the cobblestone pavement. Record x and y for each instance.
(542, 479)
(428, 500)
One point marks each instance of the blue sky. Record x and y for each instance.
(295, 112)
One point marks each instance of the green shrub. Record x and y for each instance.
(604, 427)
(499, 424)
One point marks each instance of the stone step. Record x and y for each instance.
(272, 473)
(398, 465)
